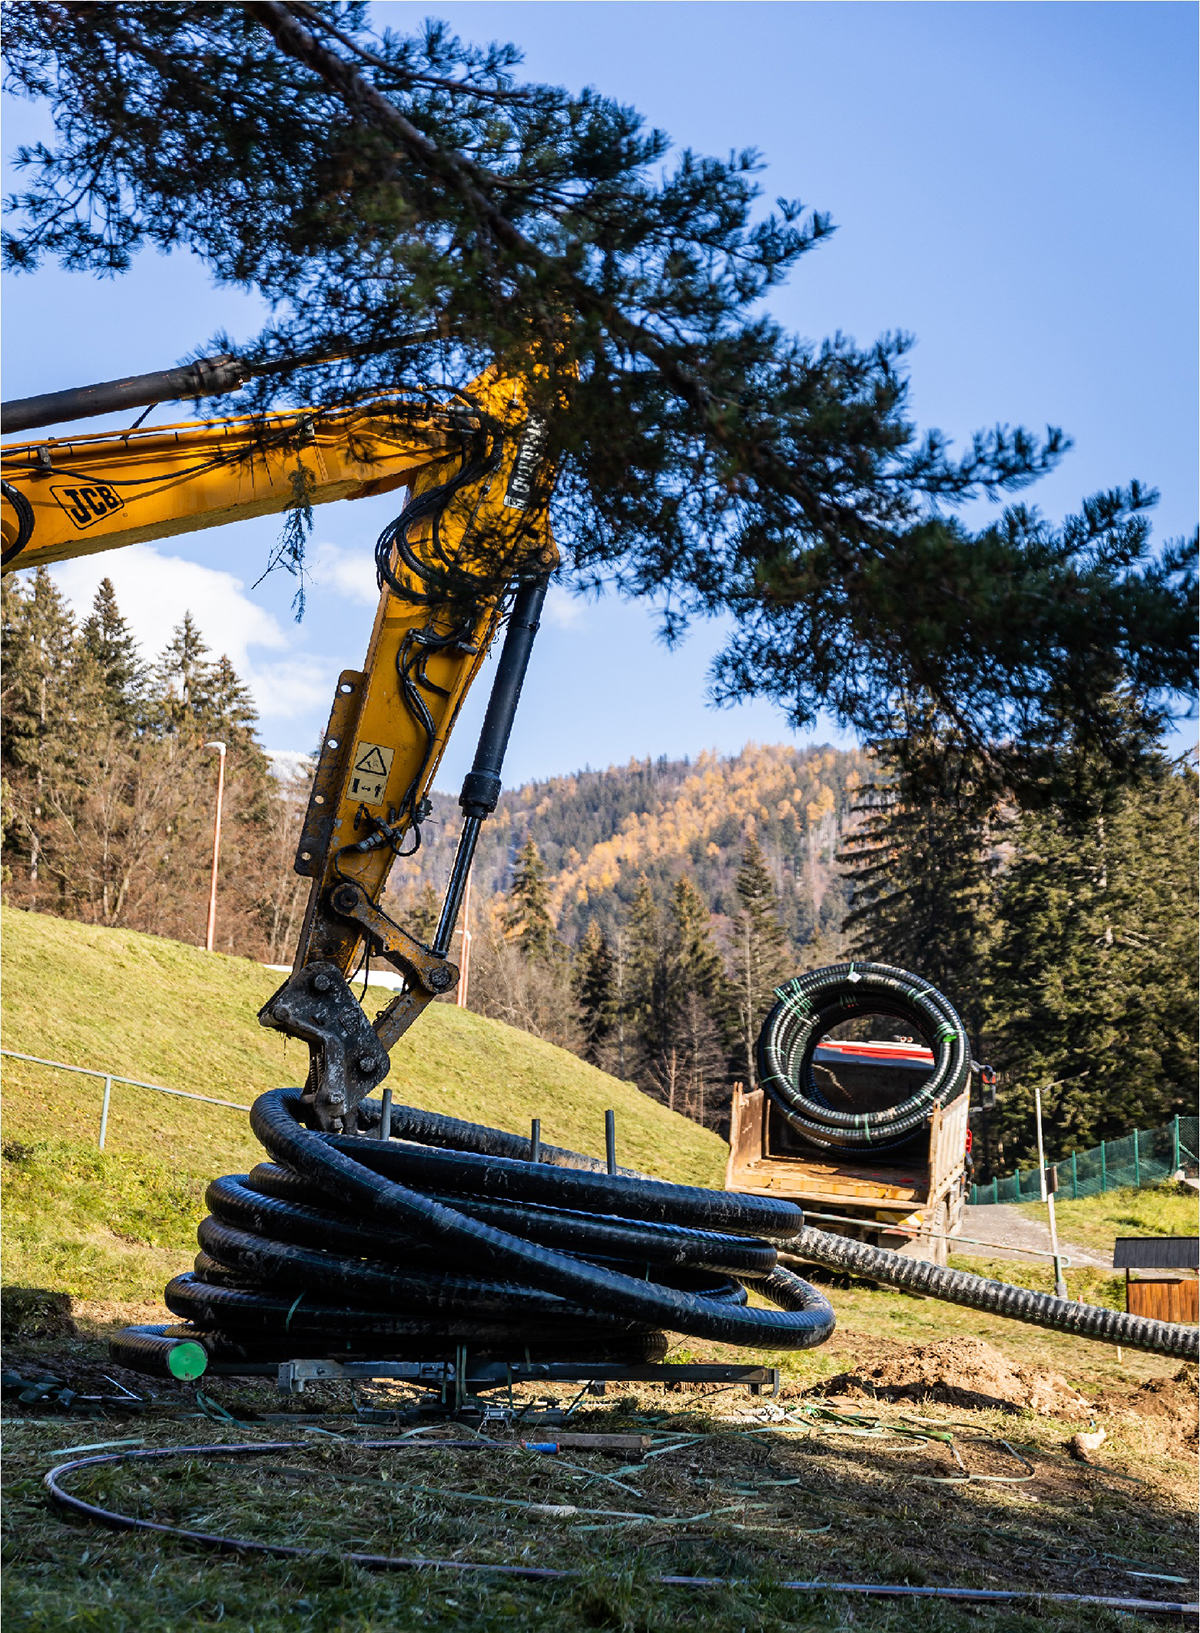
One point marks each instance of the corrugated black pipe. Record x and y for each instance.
(812, 1246)
(447, 1233)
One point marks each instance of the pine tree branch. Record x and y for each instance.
(469, 181)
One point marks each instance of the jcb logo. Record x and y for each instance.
(88, 503)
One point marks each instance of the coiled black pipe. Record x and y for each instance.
(810, 1006)
(446, 1234)
(996, 1297)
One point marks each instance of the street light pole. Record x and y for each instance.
(212, 889)
(464, 971)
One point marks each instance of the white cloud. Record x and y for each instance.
(293, 687)
(562, 609)
(350, 573)
(154, 591)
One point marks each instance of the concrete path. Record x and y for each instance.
(1008, 1228)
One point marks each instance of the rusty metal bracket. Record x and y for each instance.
(416, 963)
(349, 1060)
(428, 976)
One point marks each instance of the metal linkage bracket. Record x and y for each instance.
(428, 975)
(415, 962)
(316, 1004)
(444, 1376)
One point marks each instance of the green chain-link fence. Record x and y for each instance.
(1141, 1158)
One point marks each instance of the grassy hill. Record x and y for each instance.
(119, 1223)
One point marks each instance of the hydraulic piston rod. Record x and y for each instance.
(481, 785)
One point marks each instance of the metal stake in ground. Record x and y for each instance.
(1048, 1190)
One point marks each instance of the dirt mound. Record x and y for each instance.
(1175, 1397)
(35, 1312)
(962, 1372)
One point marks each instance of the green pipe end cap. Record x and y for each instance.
(187, 1360)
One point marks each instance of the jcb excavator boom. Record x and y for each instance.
(471, 550)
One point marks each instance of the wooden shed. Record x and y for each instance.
(1160, 1276)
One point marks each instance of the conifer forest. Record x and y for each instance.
(642, 915)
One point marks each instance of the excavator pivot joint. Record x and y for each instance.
(316, 1004)
(428, 974)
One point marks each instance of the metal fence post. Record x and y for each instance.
(1103, 1169)
(104, 1110)
(1175, 1144)
(995, 1189)
(1074, 1176)
(1137, 1167)
(1017, 1183)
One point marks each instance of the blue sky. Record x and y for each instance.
(1013, 184)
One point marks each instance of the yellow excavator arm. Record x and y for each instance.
(90, 493)
(471, 551)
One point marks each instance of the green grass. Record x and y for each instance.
(114, 1226)
(119, 1224)
(1097, 1221)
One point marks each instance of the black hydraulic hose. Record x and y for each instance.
(444, 1235)
(996, 1297)
(24, 512)
(809, 1007)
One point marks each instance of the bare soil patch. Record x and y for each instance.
(1171, 1404)
(962, 1372)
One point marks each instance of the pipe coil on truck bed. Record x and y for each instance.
(811, 1005)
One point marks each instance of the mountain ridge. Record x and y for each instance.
(600, 832)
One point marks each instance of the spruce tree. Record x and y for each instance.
(647, 1005)
(922, 862)
(698, 1004)
(527, 920)
(1093, 990)
(52, 717)
(226, 705)
(108, 638)
(593, 981)
(411, 211)
(695, 959)
(183, 679)
(423, 915)
(761, 956)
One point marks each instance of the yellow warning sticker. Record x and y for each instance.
(372, 763)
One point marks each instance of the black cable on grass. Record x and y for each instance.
(529, 1573)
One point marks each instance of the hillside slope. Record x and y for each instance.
(100, 1225)
(599, 832)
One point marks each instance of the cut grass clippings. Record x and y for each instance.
(733, 1491)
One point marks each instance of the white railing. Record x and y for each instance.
(113, 1077)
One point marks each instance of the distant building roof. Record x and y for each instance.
(1157, 1253)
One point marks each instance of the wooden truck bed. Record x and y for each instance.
(871, 1190)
